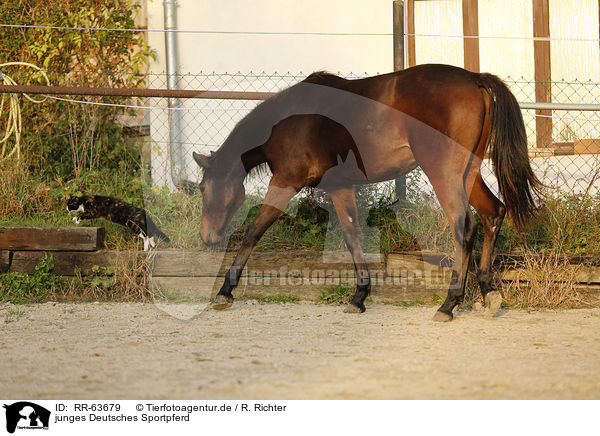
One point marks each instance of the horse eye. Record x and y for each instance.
(202, 189)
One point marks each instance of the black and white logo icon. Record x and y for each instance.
(26, 415)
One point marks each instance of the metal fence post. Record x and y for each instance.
(398, 15)
(178, 173)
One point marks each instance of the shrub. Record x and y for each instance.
(61, 138)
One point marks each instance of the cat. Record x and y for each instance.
(117, 211)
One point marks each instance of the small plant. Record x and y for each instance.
(20, 288)
(127, 281)
(410, 303)
(336, 294)
(102, 277)
(13, 315)
(278, 299)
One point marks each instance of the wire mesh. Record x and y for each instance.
(565, 155)
(564, 146)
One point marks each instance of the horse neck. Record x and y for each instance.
(229, 164)
(238, 164)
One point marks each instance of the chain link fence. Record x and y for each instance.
(565, 148)
(566, 156)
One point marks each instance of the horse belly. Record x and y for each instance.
(385, 149)
(371, 162)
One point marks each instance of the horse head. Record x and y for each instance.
(222, 194)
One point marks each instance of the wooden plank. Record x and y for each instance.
(5, 260)
(67, 262)
(590, 275)
(398, 34)
(587, 146)
(175, 263)
(470, 30)
(541, 53)
(410, 30)
(296, 268)
(52, 238)
(200, 289)
(426, 271)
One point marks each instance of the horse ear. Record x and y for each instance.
(201, 160)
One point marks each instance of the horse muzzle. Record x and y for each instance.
(211, 238)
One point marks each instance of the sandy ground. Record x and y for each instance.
(295, 351)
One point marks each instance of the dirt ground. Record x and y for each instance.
(295, 351)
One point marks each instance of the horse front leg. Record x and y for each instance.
(344, 202)
(275, 202)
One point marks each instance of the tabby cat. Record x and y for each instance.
(117, 211)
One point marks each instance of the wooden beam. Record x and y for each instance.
(67, 262)
(398, 29)
(388, 290)
(409, 10)
(5, 260)
(176, 263)
(541, 53)
(52, 238)
(470, 30)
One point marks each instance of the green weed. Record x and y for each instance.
(278, 299)
(19, 288)
(13, 315)
(336, 294)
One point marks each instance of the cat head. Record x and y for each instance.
(75, 204)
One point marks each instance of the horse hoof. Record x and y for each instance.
(222, 302)
(493, 300)
(351, 308)
(442, 317)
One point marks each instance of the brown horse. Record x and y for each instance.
(334, 133)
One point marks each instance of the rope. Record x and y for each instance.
(14, 122)
(275, 33)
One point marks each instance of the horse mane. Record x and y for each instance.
(258, 171)
(322, 78)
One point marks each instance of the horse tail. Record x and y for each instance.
(508, 150)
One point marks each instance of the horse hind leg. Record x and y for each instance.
(344, 202)
(449, 188)
(464, 228)
(491, 211)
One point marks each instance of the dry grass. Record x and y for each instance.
(21, 195)
(132, 276)
(128, 281)
(544, 281)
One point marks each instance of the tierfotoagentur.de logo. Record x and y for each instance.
(24, 415)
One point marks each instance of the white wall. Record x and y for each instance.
(297, 54)
(207, 123)
(281, 53)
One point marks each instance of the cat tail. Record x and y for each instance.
(153, 230)
(162, 236)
